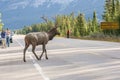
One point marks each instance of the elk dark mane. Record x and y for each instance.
(53, 32)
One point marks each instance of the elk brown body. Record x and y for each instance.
(39, 38)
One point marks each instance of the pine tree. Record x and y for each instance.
(81, 25)
(95, 22)
(113, 9)
(76, 32)
(90, 27)
(111, 14)
(1, 24)
(117, 7)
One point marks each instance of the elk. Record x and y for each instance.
(39, 38)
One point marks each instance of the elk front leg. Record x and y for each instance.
(43, 50)
(33, 50)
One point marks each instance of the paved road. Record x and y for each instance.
(69, 59)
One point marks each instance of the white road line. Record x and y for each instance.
(36, 65)
(57, 51)
(88, 49)
(89, 70)
(69, 50)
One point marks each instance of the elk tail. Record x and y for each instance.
(26, 41)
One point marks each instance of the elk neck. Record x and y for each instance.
(51, 35)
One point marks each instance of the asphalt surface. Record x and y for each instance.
(69, 59)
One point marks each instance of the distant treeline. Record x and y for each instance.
(79, 25)
(1, 23)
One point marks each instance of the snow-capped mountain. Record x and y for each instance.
(18, 13)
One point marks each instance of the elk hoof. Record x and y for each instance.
(24, 60)
(39, 58)
(47, 58)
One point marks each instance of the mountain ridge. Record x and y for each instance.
(17, 14)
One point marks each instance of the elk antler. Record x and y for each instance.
(56, 23)
(45, 18)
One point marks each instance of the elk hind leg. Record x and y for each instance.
(46, 54)
(26, 47)
(43, 50)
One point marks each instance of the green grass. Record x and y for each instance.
(100, 37)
